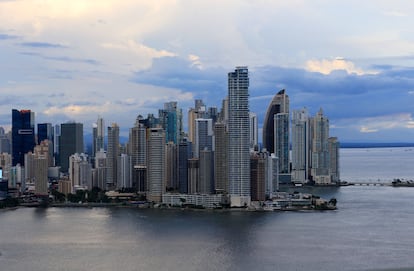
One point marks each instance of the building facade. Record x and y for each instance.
(238, 128)
(23, 135)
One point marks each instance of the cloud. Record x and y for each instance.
(62, 58)
(8, 37)
(137, 48)
(195, 61)
(42, 45)
(327, 66)
(386, 122)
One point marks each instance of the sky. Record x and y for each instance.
(77, 60)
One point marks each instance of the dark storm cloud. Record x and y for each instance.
(175, 72)
(341, 95)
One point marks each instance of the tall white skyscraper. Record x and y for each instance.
(239, 153)
(300, 146)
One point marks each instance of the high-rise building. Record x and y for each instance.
(171, 119)
(279, 104)
(199, 111)
(139, 178)
(45, 131)
(16, 176)
(112, 155)
(253, 138)
(156, 164)
(99, 177)
(138, 144)
(300, 146)
(40, 175)
(23, 135)
(5, 166)
(29, 171)
(281, 141)
(138, 152)
(333, 148)
(239, 153)
(221, 184)
(45, 148)
(320, 151)
(171, 174)
(272, 176)
(80, 171)
(56, 146)
(204, 136)
(4, 142)
(70, 142)
(258, 166)
(100, 135)
(205, 185)
(184, 154)
(124, 172)
(193, 175)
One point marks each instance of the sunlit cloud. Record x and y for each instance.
(326, 66)
(195, 61)
(376, 124)
(137, 48)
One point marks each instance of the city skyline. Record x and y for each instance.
(127, 58)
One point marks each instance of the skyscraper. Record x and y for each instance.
(184, 154)
(112, 155)
(23, 136)
(4, 141)
(100, 134)
(171, 166)
(171, 120)
(203, 136)
(221, 183)
(320, 151)
(281, 141)
(199, 111)
(156, 164)
(138, 144)
(70, 142)
(205, 185)
(239, 154)
(279, 104)
(258, 171)
(333, 149)
(124, 171)
(45, 131)
(300, 146)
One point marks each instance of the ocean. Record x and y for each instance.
(370, 230)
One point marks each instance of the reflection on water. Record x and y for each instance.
(371, 230)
